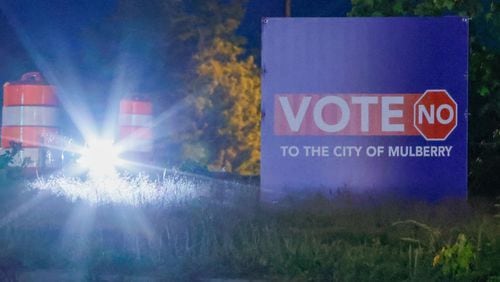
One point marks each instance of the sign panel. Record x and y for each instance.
(366, 105)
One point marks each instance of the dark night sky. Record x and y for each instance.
(31, 26)
(68, 17)
(257, 9)
(38, 22)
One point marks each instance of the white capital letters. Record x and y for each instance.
(387, 113)
(440, 111)
(365, 102)
(318, 114)
(422, 112)
(294, 121)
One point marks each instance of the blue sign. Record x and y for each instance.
(366, 105)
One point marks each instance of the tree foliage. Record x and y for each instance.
(228, 106)
(484, 75)
(221, 86)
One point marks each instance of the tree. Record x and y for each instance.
(222, 84)
(484, 76)
(228, 106)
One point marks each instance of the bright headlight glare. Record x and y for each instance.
(100, 156)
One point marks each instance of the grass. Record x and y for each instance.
(347, 238)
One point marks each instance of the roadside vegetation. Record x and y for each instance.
(224, 234)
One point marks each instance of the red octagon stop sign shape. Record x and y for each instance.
(435, 115)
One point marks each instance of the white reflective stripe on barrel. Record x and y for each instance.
(135, 120)
(30, 116)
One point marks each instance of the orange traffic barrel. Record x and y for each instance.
(135, 128)
(30, 117)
